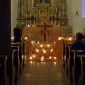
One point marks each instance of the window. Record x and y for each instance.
(83, 8)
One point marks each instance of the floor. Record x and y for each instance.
(43, 73)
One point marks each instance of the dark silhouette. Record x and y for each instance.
(17, 34)
(44, 0)
(78, 44)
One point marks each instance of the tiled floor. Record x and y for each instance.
(43, 73)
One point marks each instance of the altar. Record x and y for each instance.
(45, 38)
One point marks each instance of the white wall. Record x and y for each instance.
(13, 15)
(76, 20)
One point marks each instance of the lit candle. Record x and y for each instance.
(50, 57)
(25, 38)
(48, 45)
(30, 57)
(41, 45)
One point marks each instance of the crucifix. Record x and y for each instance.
(44, 31)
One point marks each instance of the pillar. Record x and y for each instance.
(5, 27)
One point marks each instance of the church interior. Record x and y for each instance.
(36, 39)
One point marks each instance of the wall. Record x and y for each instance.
(13, 15)
(76, 20)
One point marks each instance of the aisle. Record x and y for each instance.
(43, 73)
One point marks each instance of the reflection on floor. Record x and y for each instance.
(17, 70)
(43, 73)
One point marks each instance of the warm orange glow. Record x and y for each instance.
(44, 51)
(42, 58)
(51, 50)
(34, 56)
(25, 38)
(59, 38)
(30, 57)
(70, 38)
(55, 58)
(55, 63)
(32, 42)
(37, 50)
(25, 57)
(41, 45)
(54, 42)
(48, 45)
(38, 42)
(50, 57)
(12, 38)
(58, 25)
(28, 25)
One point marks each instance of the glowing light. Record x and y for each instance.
(22, 57)
(44, 51)
(37, 50)
(12, 38)
(30, 57)
(34, 56)
(59, 38)
(25, 57)
(50, 57)
(42, 58)
(51, 50)
(31, 62)
(55, 58)
(28, 25)
(32, 42)
(48, 45)
(38, 42)
(25, 38)
(70, 39)
(55, 63)
(41, 46)
(54, 42)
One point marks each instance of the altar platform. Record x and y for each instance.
(43, 42)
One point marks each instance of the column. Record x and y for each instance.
(5, 27)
